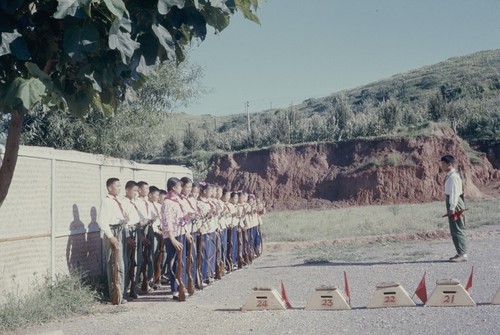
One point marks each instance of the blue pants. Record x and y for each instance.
(257, 240)
(235, 245)
(223, 252)
(172, 260)
(208, 265)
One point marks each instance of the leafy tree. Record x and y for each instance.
(135, 131)
(171, 86)
(172, 146)
(191, 140)
(81, 55)
(390, 114)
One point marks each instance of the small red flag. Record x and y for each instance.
(469, 282)
(285, 297)
(346, 288)
(421, 290)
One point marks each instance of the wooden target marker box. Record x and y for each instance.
(449, 293)
(496, 298)
(390, 294)
(327, 298)
(263, 299)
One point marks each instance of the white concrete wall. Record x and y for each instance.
(48, 220)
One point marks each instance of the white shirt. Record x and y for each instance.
(144, 207)
(109, 214)
(156, 208)
(132, 212)
(453, 188)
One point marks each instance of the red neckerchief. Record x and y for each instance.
(147, 205)
(119, 205)
(156, 210)
(208, 202)
(133, 204)
(170, 196)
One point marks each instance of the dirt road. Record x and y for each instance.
(216, 310)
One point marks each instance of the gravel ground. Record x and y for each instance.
(216, 310)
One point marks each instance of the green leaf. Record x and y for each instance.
(38, 73)
(122, 42)
(165, 5)
(117, 7)
(79, 103)
(216, 17)
(96, 102)
(79, 40)
(165, 39)
(95, 84)
(218, 4)
(25, 92)
(14, 43)
(244, 6)
(56, 101)
(72, 8)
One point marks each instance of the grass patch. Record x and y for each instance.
(68, 296)
(318, 225)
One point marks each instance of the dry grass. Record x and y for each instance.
(316, 225)
(67, 296)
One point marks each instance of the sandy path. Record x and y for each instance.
(216, 310)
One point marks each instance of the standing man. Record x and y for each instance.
(157, 244)
(134, 241)
(454, 204)
(112, 221)
(145, 207)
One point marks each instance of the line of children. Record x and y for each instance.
(187, 236)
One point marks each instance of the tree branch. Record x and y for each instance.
(11, 150)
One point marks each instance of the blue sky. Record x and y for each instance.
(313, 48)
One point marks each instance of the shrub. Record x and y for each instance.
(68, 295)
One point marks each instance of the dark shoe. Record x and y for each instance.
(454, 257)
(133, 295)
(460, 259)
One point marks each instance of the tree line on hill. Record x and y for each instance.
(147, 128)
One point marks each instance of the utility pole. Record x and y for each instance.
(247, 105)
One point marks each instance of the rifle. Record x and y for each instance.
(189, 265)
(240, 254)
(145, 252)
(159, 261)
(456, 216)
(178, 276)
(251, 249)
(116, 294)
(229, 251)
(217, 266)
(222, 264)
(199, 246)
(131, 270)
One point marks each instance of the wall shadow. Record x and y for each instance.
(83, 250)
(94, 244)
(76, 249)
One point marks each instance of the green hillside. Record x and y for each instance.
(461, 92)
(475, 76)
